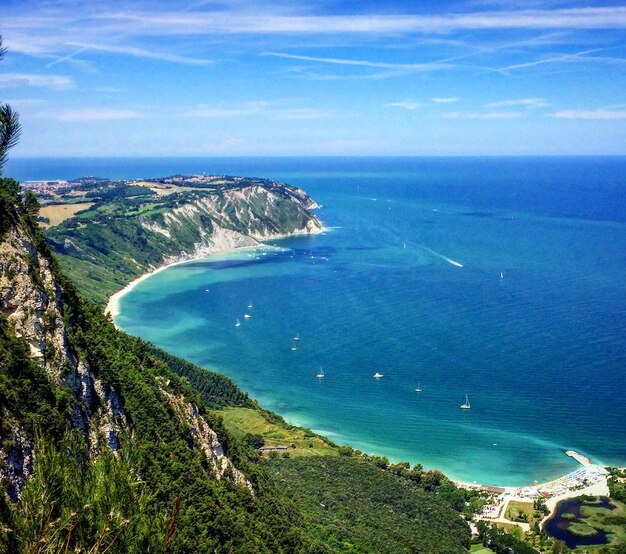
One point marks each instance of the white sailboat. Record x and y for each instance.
(466, 404)
(320, 375)
(250, 305)
(294, 347)
(247, 316)
(418, 389)
(297, 337)
(238, 324)
(377, 375)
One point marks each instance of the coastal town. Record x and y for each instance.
(589, 479)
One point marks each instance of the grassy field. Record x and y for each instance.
(58, 213)
(480, 549)
(516, 508)
(300, 442)
(610, 521)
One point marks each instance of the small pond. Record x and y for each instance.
(559, 527)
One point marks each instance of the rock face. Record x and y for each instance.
(187, 224)
(32, 304)
(208, 441)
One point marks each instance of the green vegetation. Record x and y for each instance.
(520, 511)
(502, 542)
(241, 422)
(617, 483)
(158, 493)
(353, 506)
(130, 229)
(582, 529)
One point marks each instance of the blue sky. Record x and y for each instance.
(215, 78)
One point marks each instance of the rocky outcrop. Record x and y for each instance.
(16, 464)
(221, 466)
(30, 299)
(235, 218)
(31, 302)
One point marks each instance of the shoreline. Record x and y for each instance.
(506, 492)
(112, 307)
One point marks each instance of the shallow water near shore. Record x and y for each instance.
(501, 278)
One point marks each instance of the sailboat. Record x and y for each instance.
(247, 316)
(377, 375)
(294, 347)
(418, 389)
(320, 375)
(250, 305)
(501, 275)
(466, 404)
(238, 324)
(297, 337)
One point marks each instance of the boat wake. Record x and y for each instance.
(441, 256)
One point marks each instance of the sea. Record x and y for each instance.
(499, 280)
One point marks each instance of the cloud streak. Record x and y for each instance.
(606, 115)
(140, 53)
(33, 80)
(481, 115)
(525, 102)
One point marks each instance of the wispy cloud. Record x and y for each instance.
(33, 80)
(481, 115)
(242, 21)
(590, 114)
(407, 105)
(259, 108)
(525, 102)
(575, 57)
(448, 100)
(95, 114)
(364, 63)
(141, 53)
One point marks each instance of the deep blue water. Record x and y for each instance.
(540, 351)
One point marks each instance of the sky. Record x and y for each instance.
(314, 78)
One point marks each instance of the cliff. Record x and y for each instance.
(120, 237)
(100, 440)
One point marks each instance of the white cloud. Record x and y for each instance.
(256, 108)
(407, 105)
(449, 100)
(482, 115)
(364, 63)
(238, 22)
(32, 80)
(590, 114)
(139, 53)
(95, 114)
(525, 102)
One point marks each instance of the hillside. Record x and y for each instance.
(106, 233)
(107, 443)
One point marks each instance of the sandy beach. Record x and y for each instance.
(221, 245)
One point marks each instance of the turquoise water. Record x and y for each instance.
(539, 350)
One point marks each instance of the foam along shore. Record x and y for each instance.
(223, 244)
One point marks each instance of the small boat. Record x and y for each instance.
(297, 337)
(377, 375)
(247, 316)
(294, 347)
(250, 305)
(238, 324)
(418, 389)
(501, 275)
(320, 375)
(466, 404)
